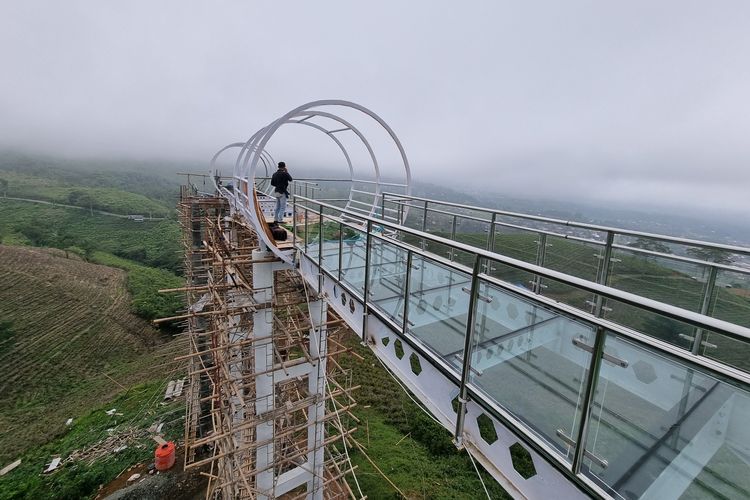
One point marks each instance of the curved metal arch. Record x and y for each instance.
(266, 158)
(366, 143)
(338, 143)
(249, 156)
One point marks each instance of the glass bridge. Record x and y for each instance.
(618, 359)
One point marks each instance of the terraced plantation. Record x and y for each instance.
(68, 343)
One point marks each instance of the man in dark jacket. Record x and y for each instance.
(280, 181)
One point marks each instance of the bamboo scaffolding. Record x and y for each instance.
(219, 355)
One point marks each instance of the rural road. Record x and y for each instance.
(101, 212)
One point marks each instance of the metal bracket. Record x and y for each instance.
(578, 342)
(704, 343)
(594, 458)
(483, 298)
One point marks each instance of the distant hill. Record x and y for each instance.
(124, 187)
(68, 342)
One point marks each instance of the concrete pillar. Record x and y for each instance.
(317, 386)
(263, 363)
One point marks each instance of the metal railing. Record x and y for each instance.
(608, 240)
(323, 232)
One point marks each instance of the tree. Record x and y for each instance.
(715, 255)
(81, 199)
(651, 245)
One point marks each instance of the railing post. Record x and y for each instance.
(453, 236)
(468, 343)
(490, 242)
(366, 301)
(307, 232)
(707, 294)
(294, 226)
(596, 360)
(491, 237)
(588, 398)
(424, 225)
(382, 208)
(320, 249)
(407, 285)
(603, 275)
(541, 252)
(341, 247)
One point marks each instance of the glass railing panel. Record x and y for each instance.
(353, 254)
(415, 215)
(577, 258)
(310, 233)
(438, 306)
(473, 232)
(517, 277)
(331, 230)
(663, 429)
(439, 223)
(728, 350)
(531, 361)
(516, 243)
(667, 280)
(438, 249)
(567, 294)
(655, 325)
(387, 278)
(731, 297)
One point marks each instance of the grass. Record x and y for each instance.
(79, 479)
(424, 463)
(148, 251)
(151, 243)
(144, 284)
(22, 185)
(69, 341)
(108, 186)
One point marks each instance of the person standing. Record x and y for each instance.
(280, 181)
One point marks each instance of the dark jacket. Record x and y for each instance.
(280, 180)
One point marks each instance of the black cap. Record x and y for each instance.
(282, 164)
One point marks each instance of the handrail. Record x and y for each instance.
(375, 228)
(674, 312)
(581, 225)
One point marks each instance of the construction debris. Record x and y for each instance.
(69, 422)
(10, 467)
(134, 477)
(107, 446)
(178, 388)
(174, 389)
(54, 464)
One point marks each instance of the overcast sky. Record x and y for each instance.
(646, 103)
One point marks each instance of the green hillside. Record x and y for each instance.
(69, 343)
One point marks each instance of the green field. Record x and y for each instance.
(112, 186)
(415, 453)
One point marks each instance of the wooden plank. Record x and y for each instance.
(258, 211)
(10, 467)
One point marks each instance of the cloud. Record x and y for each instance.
(634, 101)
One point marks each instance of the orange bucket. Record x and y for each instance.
(164, 456)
